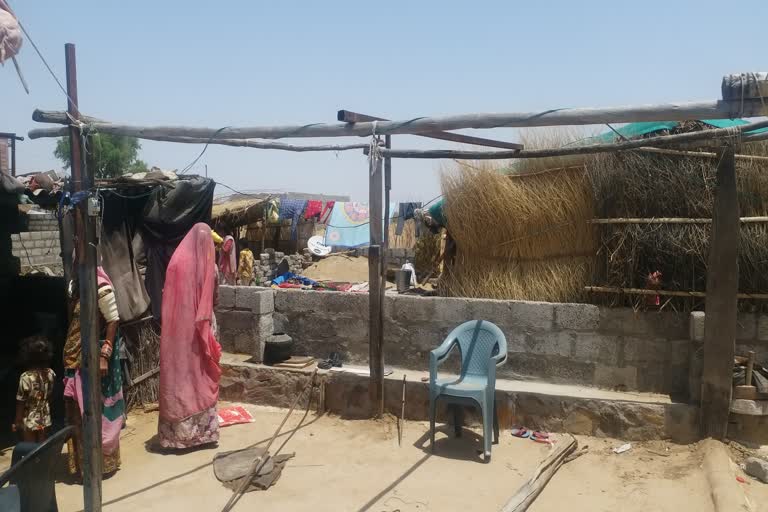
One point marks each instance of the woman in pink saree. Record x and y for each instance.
(189, 352)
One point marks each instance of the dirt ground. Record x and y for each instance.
(357, 466)
(340, 268)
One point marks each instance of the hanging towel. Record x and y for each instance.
(349, 225)
(327, 211)
(314, 209)
(406, 212)
(292, 209)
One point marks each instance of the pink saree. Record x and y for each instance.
(189, 352)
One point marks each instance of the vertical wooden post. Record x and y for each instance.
(722, 286)
(85, 233)
(13, 155)
(375, 294)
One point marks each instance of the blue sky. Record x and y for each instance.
(246, 63)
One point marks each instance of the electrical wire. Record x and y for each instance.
(205, 148)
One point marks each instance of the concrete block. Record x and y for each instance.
(595, 348)
(623, 321)
(696, 331)
(25, 236)
(619, 379)
(255, 299)
(530, 316)
(236, 330)
(551, 344)
(577, 317)
(226, 297)
(36, 235)
(15, 237)
(643, 350)
(746, 326)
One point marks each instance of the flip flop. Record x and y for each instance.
(521, 432)
(540, 437)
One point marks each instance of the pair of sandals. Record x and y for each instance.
(333, 360)
(534, 435)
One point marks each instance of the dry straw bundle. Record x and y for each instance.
(640, 185)
(524, 233)
(519, 236)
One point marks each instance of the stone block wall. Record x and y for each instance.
(561, 343)
(751, 334)
(266, 264)
(39, 245)
(244, 319)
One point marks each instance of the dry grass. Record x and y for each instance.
(521, 229)
(520, 235)
(143, 343)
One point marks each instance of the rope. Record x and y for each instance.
(259, 463)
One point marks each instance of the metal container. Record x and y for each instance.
(403, 280)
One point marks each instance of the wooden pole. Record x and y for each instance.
(667, 293)
(672, 220)
(85, 233)
(387, 213)
(664, 140)
(355, 117)
(720, 306)
(13, 156)
(375, 295)
(554, 117)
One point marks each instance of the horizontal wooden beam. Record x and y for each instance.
(555, 117)
(667, 293)
(245, 143)
(672, 220)
(664, 140)
(347, 116)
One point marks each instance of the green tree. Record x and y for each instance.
(107, 156)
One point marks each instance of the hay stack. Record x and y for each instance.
(649, 185)
(519, 236)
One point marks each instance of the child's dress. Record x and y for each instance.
(35, 388)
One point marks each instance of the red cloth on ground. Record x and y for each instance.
(313, 209)
(189, 352)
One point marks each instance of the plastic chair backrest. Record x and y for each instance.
(478, 341)
(34, 474)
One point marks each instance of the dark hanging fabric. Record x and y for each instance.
(406, 212)
(170, 212)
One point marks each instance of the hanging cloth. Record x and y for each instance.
(314, 209)
(327, 209)
(406, 212)
(292, 209)
(245, 269)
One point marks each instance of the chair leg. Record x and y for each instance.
(495, 423)
(432, 404)
(487, 411)
(458, 419)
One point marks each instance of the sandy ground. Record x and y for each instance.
(358, 466)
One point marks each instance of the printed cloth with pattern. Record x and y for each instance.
(35, 388)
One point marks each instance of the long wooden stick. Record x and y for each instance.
(527, 494)
(672, 220)
(701, 154)
(246, 143)
(555, 117)
(664, 140)
(668, 293)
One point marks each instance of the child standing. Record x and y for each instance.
(33, 411)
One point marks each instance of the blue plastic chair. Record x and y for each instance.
(482, 347)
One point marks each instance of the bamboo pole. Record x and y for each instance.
(555, 117)
(671, 220)
(668, 293)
